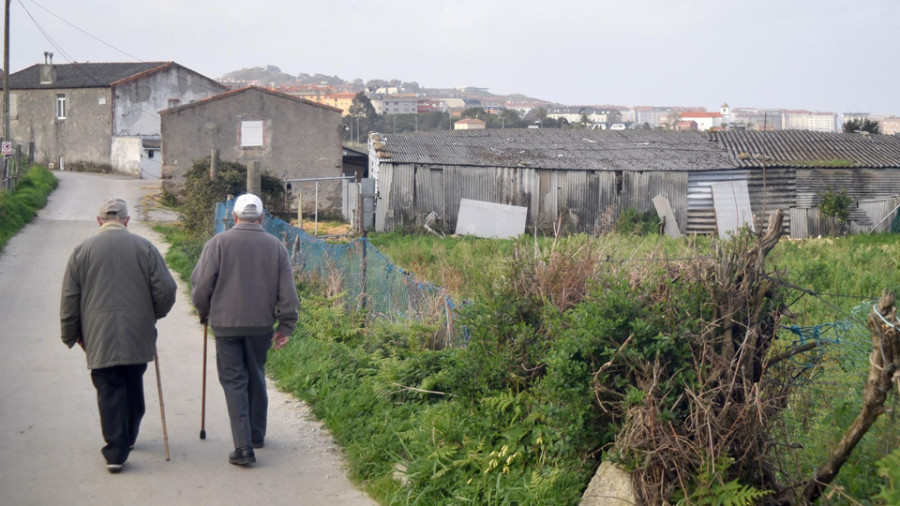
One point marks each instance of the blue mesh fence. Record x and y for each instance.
(369, 280)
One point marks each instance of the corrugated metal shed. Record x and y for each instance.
(628, 150)
(586, 178)
(801, 148)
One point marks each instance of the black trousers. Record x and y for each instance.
(241, 362)
(120, 397)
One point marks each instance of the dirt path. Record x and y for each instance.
(49, 426)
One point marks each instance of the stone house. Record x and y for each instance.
(289, 137)
(99, 116)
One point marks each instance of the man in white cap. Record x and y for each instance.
(115, 288)
(243, 283)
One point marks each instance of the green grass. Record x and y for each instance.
(18, 208)
(184, 248)
(468, 427)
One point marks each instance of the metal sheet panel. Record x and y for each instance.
(487, 219)
(732, 204)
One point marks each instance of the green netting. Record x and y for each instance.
(367, 277)
(828, 398)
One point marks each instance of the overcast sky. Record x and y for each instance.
(826, 55)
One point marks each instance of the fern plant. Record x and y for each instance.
(710, 490)
(889, 468)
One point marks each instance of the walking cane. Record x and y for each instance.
(203, 396)
(162, 407)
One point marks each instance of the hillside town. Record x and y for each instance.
(397, 98)
(425, 151)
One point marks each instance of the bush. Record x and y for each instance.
(202, 194)
(630, 221)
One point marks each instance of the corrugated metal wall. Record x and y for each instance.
(639, 188)
(769, 190)
(585, 198)
(859, 183)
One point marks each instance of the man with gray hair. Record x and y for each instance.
(243, 283)
(115, 288)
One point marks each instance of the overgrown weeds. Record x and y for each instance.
(667, 356)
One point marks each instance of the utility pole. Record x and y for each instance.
(6, 184)
(6, 72)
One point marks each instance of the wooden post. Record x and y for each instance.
(316, 215)
(359, 205)
(363, 242)
(254, 179)
(300, 210)
(884, 362)
(214, 165)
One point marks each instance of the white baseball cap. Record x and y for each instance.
(248, 207)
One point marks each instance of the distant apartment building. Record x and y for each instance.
(342, 101)
(757, 119)
(806, 120)
(647, 115)
(890, 125)
(887, 124)
(655, 117)
(396, 104)
(426, 105)
(574, 114)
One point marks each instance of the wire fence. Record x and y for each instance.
(368, 279)
(828, 400)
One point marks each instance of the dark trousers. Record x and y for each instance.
(241, 362)
(120, 397)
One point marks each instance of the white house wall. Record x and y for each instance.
(138, 102)
(125, 155)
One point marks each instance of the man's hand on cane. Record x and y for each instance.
(279, 340)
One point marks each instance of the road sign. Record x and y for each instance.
(6, 149)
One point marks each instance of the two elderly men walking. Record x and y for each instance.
(117, 286)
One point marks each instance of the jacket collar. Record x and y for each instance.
(112, 225)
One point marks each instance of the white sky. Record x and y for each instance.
(827, 55)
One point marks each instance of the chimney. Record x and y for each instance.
(48, 71)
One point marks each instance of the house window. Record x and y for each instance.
(251, 134)
(60, 107)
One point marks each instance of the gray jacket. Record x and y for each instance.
(243, 283)
(115, 288)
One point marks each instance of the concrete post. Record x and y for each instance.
(214, 165)
(254, 179)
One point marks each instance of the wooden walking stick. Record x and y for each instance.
(203, 395)
(162, 406)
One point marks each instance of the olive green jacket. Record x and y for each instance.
(115, 288)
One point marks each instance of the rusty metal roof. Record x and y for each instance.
(557, 149)
(802, 148)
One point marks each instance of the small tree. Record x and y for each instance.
(861, 125)
(835, 206)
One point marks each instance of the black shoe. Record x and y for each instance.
(242, 456)
(258, 444)
(114, 468)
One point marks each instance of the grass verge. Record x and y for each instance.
(18, 208)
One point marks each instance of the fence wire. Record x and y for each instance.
(366, 276)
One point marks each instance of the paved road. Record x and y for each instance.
(49, 426)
